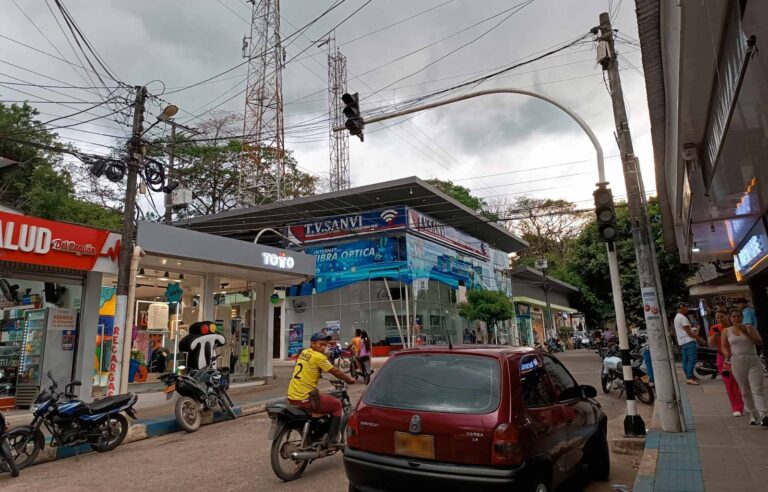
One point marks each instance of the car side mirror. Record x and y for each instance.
(589, 391)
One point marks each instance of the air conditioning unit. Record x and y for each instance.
(181, 198)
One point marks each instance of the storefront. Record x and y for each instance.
(530, 291)
(50, 279)
(185, 277)
(394, 259)
(750, 259)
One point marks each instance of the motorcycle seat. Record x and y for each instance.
(109, 403)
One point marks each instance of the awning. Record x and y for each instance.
(536, 302)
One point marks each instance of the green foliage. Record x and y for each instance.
(587, 268)
(36, 185)
(490, 306)
(459, 193)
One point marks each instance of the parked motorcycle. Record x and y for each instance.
(706, 363)
(7, 463)
(72, 422)
(613, 376)
(200, 391)
(554, 346)
(298, 437)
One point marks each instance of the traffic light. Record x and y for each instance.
(606, 214)
(354, 123)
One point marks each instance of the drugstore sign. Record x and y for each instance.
(30, 240)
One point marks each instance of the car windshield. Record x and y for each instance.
(448, 383)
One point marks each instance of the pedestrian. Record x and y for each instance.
(648, 363)
(731, 386)
(739, 348)
(687, 340)
(747, 313)
(365, 351)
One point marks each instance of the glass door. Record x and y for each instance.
(32, 348)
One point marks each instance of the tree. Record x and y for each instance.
(587, 268)
(490, 306)
(209, 164)
(464, 196)
(41, 184)
(547, 225)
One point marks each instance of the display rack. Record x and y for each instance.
(11, 340)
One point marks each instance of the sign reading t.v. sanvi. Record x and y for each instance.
(325, 228)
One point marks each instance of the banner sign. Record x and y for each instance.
(295, 339)
(523, 310)
(25, 239)
(434, 230)
(322, 229)
(343, 264)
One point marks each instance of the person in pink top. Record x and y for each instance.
(731, 387)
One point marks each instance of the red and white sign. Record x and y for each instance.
(25, 239)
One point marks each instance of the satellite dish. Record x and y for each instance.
(9, 291)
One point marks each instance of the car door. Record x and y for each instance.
(546, 418)
(578, 411)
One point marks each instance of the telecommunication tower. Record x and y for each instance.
(262, 171)
(338, 142)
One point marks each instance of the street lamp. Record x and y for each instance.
(168, 113)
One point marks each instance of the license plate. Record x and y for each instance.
(415, 445)
(644, 378)
(170, 389)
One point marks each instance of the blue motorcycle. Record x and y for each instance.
(72, 422)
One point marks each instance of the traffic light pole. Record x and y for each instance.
(650, 286)
(633, 424)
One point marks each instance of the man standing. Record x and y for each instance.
(747, 313)
(687, 340)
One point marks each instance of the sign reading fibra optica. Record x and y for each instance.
(325, 228)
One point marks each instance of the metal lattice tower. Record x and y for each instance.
(262, 169)
(338, 142)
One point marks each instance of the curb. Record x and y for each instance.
(147, 428)
(628, 445)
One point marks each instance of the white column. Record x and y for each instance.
(261, 318)
(284, 332)
(88, 330)
(207, 307)
(269, 289)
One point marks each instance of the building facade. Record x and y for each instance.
(708, 101)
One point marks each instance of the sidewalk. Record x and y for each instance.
(718, 453)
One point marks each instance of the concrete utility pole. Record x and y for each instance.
(663, 365)
(134, 163)
(171, 157)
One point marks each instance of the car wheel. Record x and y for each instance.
(539, 484)
(599, 458)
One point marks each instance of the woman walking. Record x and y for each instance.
(731, 387)
(740, 344)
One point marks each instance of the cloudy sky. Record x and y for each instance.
(499, 146)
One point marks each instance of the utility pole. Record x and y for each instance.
(171, 156)
(134, 163)
(549, 323)
(663, 365)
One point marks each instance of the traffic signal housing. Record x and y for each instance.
(355, 123)
(606, 214)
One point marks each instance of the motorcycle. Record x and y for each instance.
(340, 356)
(298, 437)
(7, 464)
(360, 368)
(200, 391)
(706, 363)
(612, 375)
(72, 422)
(554, 346)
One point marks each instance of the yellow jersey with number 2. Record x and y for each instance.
(306, 373)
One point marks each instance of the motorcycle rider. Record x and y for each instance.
(303, 391)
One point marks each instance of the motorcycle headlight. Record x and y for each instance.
(216, 378)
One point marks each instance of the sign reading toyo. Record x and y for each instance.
(278, 260)
(36, 241)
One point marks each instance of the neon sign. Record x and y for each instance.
(278, 260)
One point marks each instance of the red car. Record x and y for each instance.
(474, 418)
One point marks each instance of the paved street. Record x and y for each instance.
(234, 456)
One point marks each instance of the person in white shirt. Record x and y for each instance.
(687, 340)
